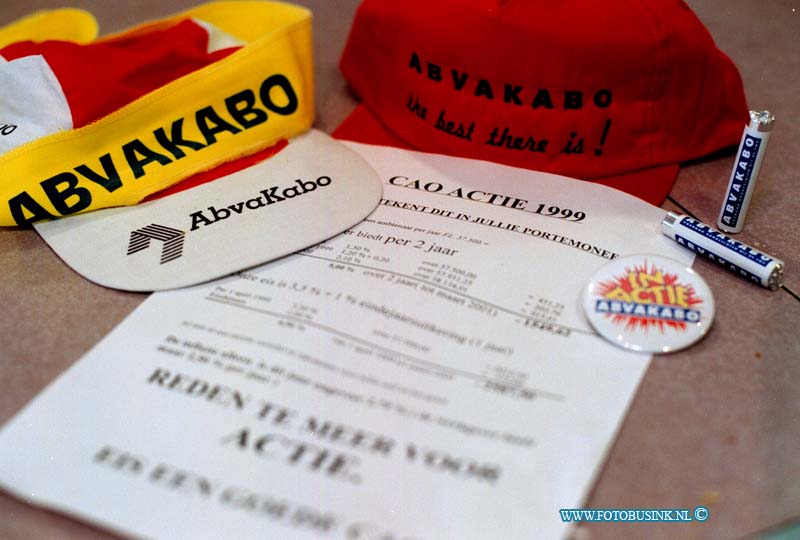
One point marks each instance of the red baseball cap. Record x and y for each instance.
(616, 92)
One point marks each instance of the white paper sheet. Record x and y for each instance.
(428, 375)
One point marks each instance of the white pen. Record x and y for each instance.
(715, 246)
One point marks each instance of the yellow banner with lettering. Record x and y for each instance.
(251, 99)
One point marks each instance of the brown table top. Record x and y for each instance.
(718, 424)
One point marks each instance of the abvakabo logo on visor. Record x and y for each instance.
(173, 239)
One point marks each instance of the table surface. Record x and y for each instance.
(717, 425)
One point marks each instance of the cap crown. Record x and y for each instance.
(585, 89)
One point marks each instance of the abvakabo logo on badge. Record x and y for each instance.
(647, 296)
(173, 239)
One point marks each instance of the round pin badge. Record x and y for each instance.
(649, 303)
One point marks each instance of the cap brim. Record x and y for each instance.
(311, 190)
(652, 184)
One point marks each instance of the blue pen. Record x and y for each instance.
(746, 261)
(745, 171)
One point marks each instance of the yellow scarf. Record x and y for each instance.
(251, 99)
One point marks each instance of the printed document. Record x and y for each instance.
(426, 375)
